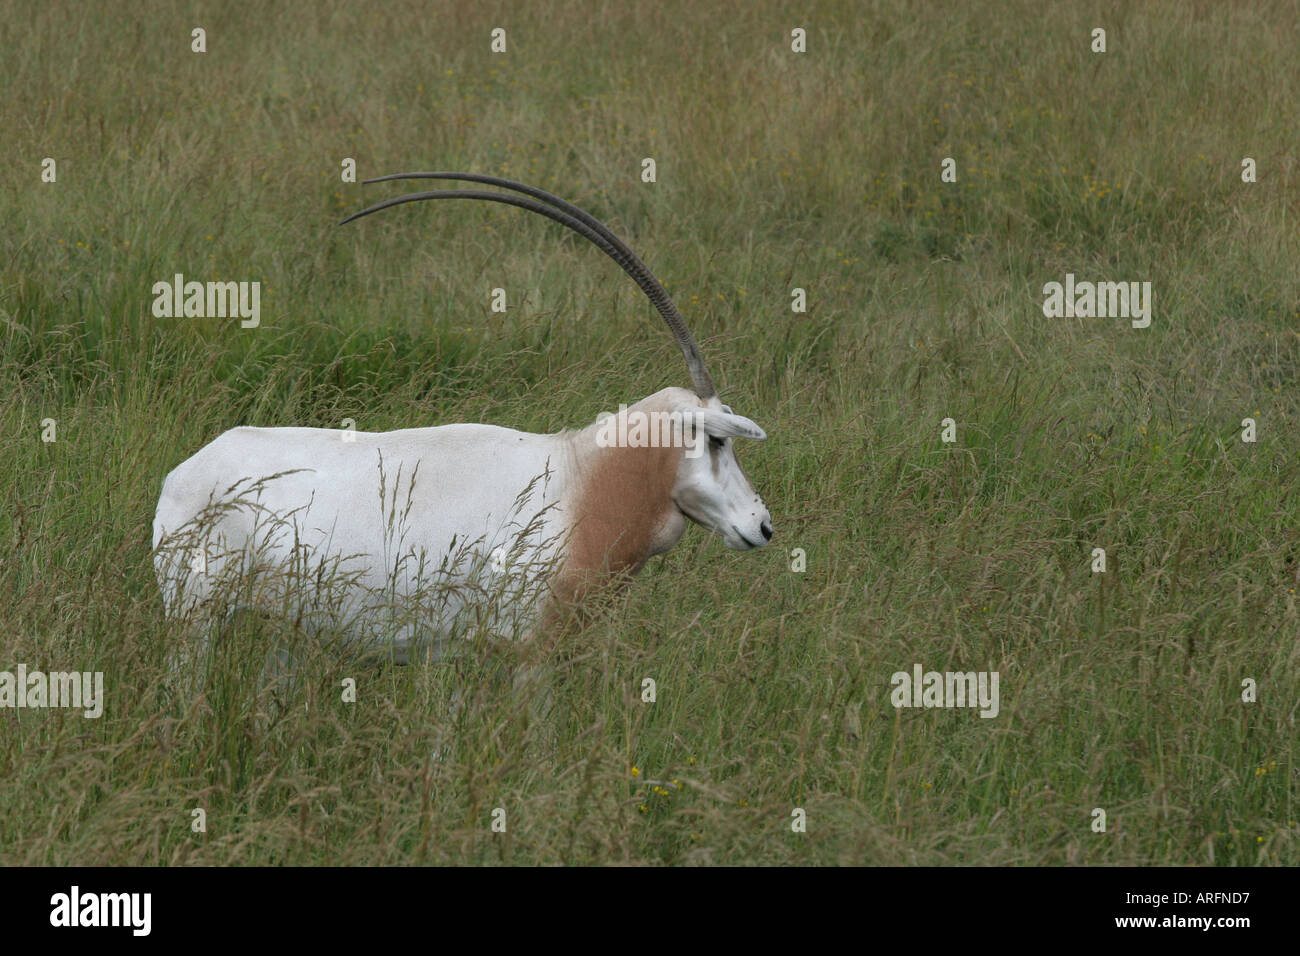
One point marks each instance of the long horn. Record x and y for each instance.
(587, 226)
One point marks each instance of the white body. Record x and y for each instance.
(403, 535)
(460, 482)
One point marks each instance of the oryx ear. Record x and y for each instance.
(724, 424)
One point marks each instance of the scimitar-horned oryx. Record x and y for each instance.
(456, 518)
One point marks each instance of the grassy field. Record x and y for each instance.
(1120, 691)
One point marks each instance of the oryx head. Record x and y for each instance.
(711, 489)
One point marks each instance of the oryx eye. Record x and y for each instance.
(717, 443)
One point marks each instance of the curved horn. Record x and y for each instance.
(587, 226)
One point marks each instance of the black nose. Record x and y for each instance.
(767, 531)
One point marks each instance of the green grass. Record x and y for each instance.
(1119, 691)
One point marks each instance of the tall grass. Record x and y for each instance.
(1120, 691)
